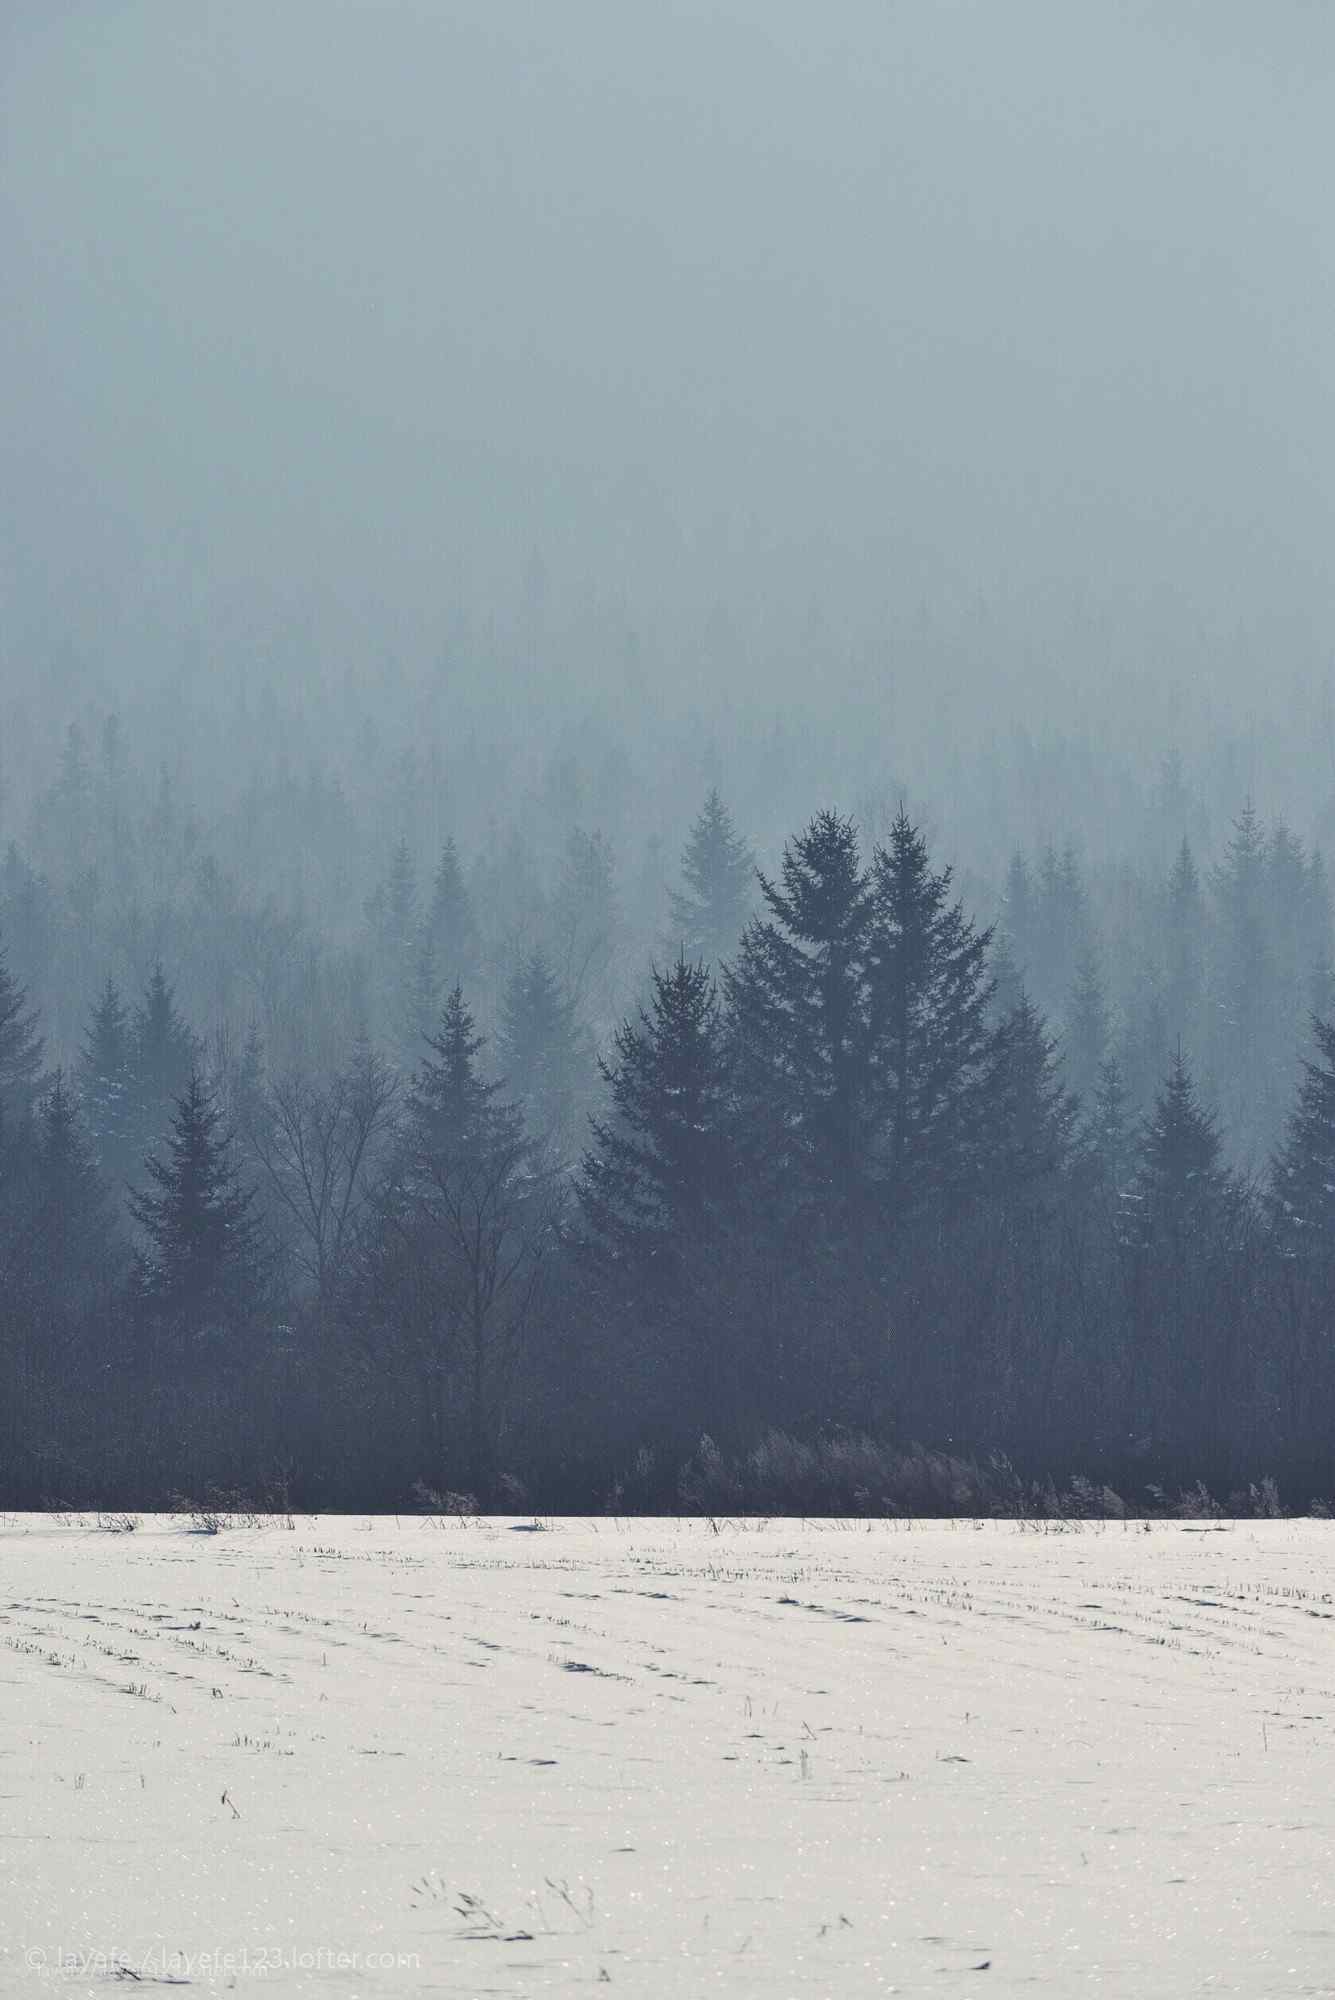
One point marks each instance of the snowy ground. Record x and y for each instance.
(781, 1758)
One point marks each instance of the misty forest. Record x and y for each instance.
(664, 779)
(502, 1159)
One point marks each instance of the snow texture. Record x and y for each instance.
(667, 1759)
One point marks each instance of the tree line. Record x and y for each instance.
(310, 894)
(832, 1176)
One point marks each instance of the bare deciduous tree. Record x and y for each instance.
(318, 1150)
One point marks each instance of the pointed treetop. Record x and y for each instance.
(451, 1105)
(1184, 882)
(710, 911)
(20, 1045)
(164, 1049)
(1106, 1136)
(1180, 1185)
(1085, 1043)
(1030, 1114)
(451, 918)
(107, 1042)
(401, 891)
(1302, 1184)
(659, 1170)
(825, 897)
(204, 1262)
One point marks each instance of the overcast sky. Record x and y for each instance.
(321, 316)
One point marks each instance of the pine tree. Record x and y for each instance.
(106, 1083)
(1243, 1054)
(452, 1109)
(394, 915)
(451, 922)
(1085, 1043)
(1170, 805)
(1302, 1182)
(203, 1265)
(112, 803)
(799, 1028)
(1007, 984)
(422, 1000)
(507, 897)
(1144, 1044)
(1018, 928)
(164, 1053)
(454, 1256)
(70, 1218)
(584, 924)
(1321, 973)
(247, 1100)
(659, 1173)
(1061, 927)
(400, 918)
(1298, 939)
(1028, 1117)
(542, 1053)
(1181, 1194)
(1106, 1135)
(1184, 952)
(710, 911)
(929, 993)
(63, 818)
(667, 1246)
(20, 1046)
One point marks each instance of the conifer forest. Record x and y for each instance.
(667, 755)
(362, 1165)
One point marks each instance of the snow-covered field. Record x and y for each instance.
(781, 1758)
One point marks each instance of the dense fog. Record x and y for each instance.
(478, 477)
(968, 366)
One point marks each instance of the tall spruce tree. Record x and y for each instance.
(1302, 1181)
(1018, 928)
(1144, 1045)
(451, 1106)
(711, 910)
(666, 1242)
(1027, 1116)
(1007, 983)
(1243, 1054)
(659, 1174)
(584, 925)
(458, 1246)
(202, 1268)
(20, 1046)
(799, 1025)
(928, 996)
(246, 1097)
(164, 1054)
(1085, 1043)
(1185, 952)
(1184, 1223)
(421, 999)
(1182, 1195)
(1061, 927)
(1106, 1137)
(394, 923)
(451, 921)
(71, 1226)
(399, 907)
(106, 1084)
(543, 1054)
(1321, 976)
